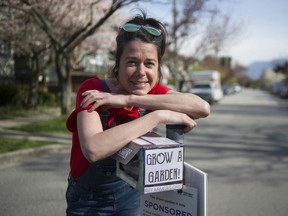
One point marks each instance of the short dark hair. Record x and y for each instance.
(124, 37)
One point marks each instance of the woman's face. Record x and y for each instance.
(138, 68)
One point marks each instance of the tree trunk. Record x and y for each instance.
(66, 96)
(66, 88)
(33, 84)
(64, 81)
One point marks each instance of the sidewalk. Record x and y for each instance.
(17, 156)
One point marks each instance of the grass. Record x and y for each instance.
(12, 144)
(54, 126)
(7, 112)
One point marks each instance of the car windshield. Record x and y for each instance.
(201, 86)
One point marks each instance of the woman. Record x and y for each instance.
(107, 117)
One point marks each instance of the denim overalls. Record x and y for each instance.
(99, 192)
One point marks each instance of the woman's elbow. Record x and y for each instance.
(206, 109)
(203, 110)
(91, 155)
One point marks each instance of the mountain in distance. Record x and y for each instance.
(255, 70)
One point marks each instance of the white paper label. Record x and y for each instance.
(141, 142)
(159, 140)
(163, 165)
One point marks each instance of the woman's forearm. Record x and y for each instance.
(187, 103)
(97, 144)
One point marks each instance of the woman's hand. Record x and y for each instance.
(98, 99)
(172, 117)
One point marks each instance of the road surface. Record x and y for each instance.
(242, 145)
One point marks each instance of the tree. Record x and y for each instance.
(67, 24)
(29, 43)
(180, 29)
(189, 24)
(282, 68)
(66, 27)
(220, 31)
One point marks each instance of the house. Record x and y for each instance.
(269, 77)
(6, 63)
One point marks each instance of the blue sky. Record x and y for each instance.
(265, 34)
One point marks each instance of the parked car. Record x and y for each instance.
(231, 89)
(208, 91)
(284, 91)
(276, 87)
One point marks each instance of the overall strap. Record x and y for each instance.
(104, 115)
(105, 86)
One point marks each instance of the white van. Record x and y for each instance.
(207, 85)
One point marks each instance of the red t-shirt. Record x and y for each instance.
(78, 163)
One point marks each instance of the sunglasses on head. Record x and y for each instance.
(131, 27)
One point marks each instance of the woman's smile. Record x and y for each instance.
(139, 84)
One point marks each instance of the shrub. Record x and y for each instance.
(46, 98)
(8, 94)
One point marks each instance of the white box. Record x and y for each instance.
(151, 163)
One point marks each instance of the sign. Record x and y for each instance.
(163, 166)
(196, 178)
(174, 203)
(190, 201)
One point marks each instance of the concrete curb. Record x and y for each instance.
(14, 157)
(21, 155)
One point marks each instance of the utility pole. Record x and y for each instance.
(175, 72)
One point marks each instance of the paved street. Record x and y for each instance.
(243, 146)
